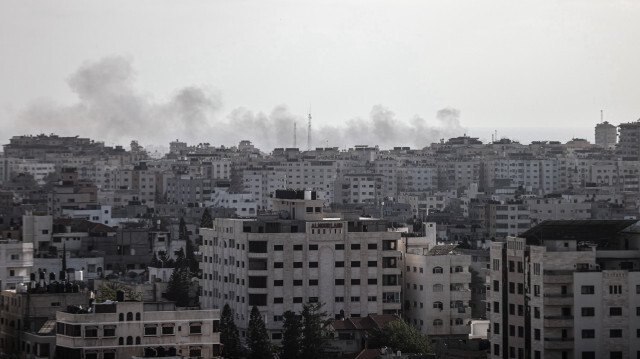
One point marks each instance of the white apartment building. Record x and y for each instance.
(362, 188)
(262, 183)
(122, 329)
(16, 259)
(350, 264)
(542, 209)
(566, 289)
(101, 214)
(437, 292)
(243, 203)
(314, 175)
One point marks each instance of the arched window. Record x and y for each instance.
(437, 322)
(121, 317)
(138, 338)
(437, 270)
(120, 341)
(129, 340)
(437, 287)
(437, 305)
(137, 316)
(129, 316)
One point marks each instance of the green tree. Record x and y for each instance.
(179, 282)
(183, 234)
(257, 338)
(291, 335)
(207, 220)
(109, 291)
(314, 343)
(401, 336)
(229, 335)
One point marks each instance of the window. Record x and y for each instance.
(372, 281)
(588, 355)
(496, 307)
(355, 282)
(520, 288)
(339, 264)
(588, 311)
(167, 330)
(313, 247)
(149, 330)
(297, 282)
(355, 246)
(615, 289)
(313, 264)
(496, 349)
(355, 263)
(297, 247)
(195, 328)
(278, 283)
(297, 299)
(372, 263)
(372, 246)
(615, 333)
(496, 328)
(355, 299)
(438, 287)
(90, 332)
(339, 247)
(437, 322)
(437, 305)
(278, 247)
(339, 281)
(512, 287)
(588, 333)
(278, 300)
(536, 312)
(278, 265)
(297, 264)
(313, 282)
(437, 270)
(496, 286)
(587, 289)
(339, 299)
(536, 290)
(108, 332)
(615, 311)
(536, 334)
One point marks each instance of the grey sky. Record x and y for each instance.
(502, 64)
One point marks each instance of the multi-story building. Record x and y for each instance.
(279, 262)
(566, 289)
(28, 319)
(16, 259)
(629, 143)
(137, 329)
(606, 135)
(437, 292)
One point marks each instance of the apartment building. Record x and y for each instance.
(278, 262)
(122, 329)
(437, 292)
(566, 289)
(16, 259)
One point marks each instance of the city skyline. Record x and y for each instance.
(503, 67)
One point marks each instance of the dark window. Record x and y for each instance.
(149, 331)
(355, 282)
(109, 332)
(313, 282)
(278, 300)
(339, 264)
(372, 246)
(297, 299)
(588, 333)
(339, 281)
(90, 332)
(297, 264)
(297, 282)
(588, 311)
(167, 330)
(258, 247)
(587, 289)
(313, 247)
(313, 264)
(355, 246)
(195, 329)
(588, 355)
(339, 247)
(615, 311)
(278, 247)
(278, 265)
(372, 264)
(536, 334)
(355, 263)
(372, 281)
(615, 333)
(278, 283)
(297, 247)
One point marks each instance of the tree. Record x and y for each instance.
(257, 338)
(109, 291)
(399, 336)
(314, 343)
(229, 335)
(183, 234)
(207, 220)
(179, 282)
(291, 335)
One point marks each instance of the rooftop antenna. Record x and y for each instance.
(309, 131)
(294, 134)
(601, 116)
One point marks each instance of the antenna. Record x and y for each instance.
(601, 116)
(309, 131)
(294, 134)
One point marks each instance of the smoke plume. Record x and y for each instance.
(110, 109)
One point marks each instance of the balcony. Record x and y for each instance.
(558, 343)
(558, 321)
(464, 295)
(558, 276)
(558, 299)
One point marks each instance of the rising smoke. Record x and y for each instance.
(110, 109)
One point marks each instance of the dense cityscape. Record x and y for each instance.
(473, 250)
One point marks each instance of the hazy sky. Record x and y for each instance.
(371, 71)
